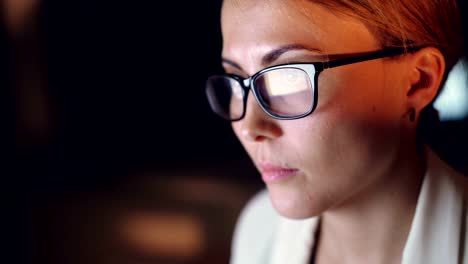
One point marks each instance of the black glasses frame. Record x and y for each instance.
(313, 70)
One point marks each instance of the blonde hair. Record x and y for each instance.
(433, 23)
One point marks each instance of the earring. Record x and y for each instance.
(412, 114)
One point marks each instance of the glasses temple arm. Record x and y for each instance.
(370, 56)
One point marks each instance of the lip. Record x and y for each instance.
(273, 173)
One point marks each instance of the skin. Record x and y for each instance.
(356, 155)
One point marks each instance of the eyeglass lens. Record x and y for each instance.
(284, 92)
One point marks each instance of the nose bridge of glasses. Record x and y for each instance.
(253, 105)
(246, 82)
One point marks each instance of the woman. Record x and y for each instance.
(327, 97)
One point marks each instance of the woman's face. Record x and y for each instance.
(345, 148)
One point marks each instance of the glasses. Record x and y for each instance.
(285, 92)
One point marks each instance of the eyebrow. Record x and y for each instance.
(273, 55)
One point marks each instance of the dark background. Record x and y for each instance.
(125, 88)
(106, 118)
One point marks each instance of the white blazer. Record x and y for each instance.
(437, 234)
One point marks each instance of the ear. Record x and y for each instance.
(427, 67)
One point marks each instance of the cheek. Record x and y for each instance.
(358, 108)
(339, 155)
(365, 93)
(354, 130)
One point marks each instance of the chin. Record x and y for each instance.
(295, 204)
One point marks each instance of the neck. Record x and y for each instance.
(373, 226)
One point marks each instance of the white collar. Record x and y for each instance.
(438, 224)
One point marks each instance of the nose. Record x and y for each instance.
(257, 125)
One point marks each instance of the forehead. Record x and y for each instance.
(253, 17)
(255, 26)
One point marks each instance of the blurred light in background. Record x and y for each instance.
(452, 103)
(18, 13)
(164, 234)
